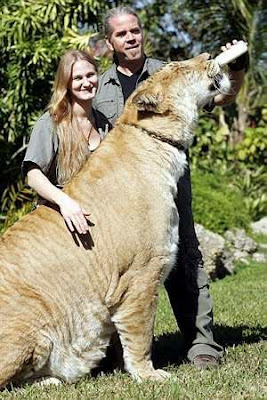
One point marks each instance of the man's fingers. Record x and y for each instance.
(228, 45)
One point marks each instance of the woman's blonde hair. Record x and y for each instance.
(73, 146)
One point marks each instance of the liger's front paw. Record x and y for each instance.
(153, 375)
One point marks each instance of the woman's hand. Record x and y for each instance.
(73, 214)
(71, 211)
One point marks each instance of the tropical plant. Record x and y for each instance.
(253, 149)
(166, 28)
(216, 204)
(16, 200)
(253, 186)
(241, 165)
(215, 23)
(33, 35)
(210, 149)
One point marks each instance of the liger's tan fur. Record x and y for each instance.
(62, 295)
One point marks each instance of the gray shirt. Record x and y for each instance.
(109, 98)
(43, 145)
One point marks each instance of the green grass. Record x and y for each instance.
(240, 325)
(259, 237)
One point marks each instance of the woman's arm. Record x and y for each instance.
(70, 209)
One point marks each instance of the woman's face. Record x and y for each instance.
(84, 81)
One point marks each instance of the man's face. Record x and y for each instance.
(126, 39)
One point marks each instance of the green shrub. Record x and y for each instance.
(16, 201)
(242, 163)
(210, 144)
(253, 185)
(12, 217)
(217, 204)
(253, 149)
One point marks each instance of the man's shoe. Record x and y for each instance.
(205, 361)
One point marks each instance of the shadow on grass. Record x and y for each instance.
(168, 349)
(237, 335)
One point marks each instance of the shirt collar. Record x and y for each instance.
(112, 76)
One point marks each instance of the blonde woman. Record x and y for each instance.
(63, 138)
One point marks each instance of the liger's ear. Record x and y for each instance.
(146, 101)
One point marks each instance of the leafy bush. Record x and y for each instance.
(253, 185)
(253, 149)
(241, 163)
(33, 36)
(217, 204)
(16, 201)
(210, 144)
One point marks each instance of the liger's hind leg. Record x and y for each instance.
(14, 354)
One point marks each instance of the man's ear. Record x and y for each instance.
(146, 101)
(110, 47)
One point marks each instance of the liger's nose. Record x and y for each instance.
(219, 77)
(204, 56)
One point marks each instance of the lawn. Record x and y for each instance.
(240, 326)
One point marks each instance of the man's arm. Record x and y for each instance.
(236, 78)
(237, 70)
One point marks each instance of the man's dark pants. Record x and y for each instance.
(187, 284)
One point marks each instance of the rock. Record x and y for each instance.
(241, 245)
(218, 261)
(260, 226)
(220, 253)
(259, 257)
(225, 265)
